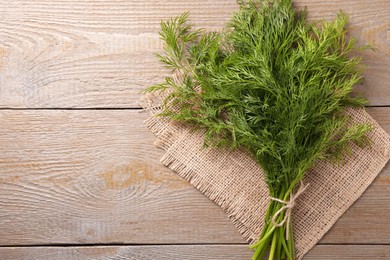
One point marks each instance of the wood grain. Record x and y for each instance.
(100, 53)
(188, 252)
(348, 252)
(93, 176)
(87, 53)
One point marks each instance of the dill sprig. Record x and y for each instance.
(272, 83)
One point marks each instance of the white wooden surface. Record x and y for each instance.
(91, 179)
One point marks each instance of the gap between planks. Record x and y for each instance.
(112, 108)
(59, 245)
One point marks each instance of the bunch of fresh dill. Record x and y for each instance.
(272, 84)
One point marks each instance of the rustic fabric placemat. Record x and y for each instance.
(234, 181)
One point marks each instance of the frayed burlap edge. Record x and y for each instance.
(234, 181)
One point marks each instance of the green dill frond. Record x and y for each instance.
(271, 83)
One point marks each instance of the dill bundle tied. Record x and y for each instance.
(274, 85)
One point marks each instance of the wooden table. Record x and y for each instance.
(80, 177)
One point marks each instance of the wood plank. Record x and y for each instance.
(166, 252)
(87, 53)
(188, 252)
(338, 252)
(100, 53)
(93, 176)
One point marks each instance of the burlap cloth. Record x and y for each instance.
(234, 181)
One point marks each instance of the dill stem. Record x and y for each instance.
(273, 245)
(267, 235)
(286, 251)
(291, 242)
(261, 250)
(278, 242)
